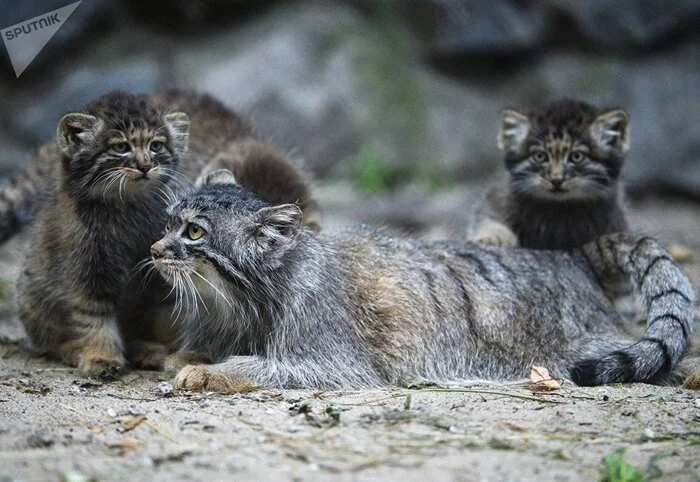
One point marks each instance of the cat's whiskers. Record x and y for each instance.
(122, 180)
(166, 194)
(106, 179)
(217, 290)
(196, 293)
(145, 264)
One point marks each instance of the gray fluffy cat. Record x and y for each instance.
(286, 307)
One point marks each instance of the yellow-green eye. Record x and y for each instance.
(120, 147)
(169, 223)
(157, 146)
(577, 157)
(195, 231)
(539, 157)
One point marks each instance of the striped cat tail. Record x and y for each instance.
(21, 198)
(669, 299)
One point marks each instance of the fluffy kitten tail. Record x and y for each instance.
(669, 299)
(22, 196)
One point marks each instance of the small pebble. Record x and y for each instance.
(164, 389)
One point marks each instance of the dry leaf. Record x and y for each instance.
(133, 423)
(680, 253)
(96, 429)
(541, 380)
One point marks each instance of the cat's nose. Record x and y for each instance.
(557, 181)
(144, 168)
(156, 251)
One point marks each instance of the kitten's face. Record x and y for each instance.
(121, 147)
(565, 152)
(220, 238)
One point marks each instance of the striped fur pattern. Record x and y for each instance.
(118, 157)
(286, 307)
(117, 164)
(562, 189)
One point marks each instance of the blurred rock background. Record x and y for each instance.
(393, 104)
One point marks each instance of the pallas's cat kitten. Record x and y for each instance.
(562, 188)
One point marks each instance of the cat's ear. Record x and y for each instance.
(278, 229)
(513, 130)
(220, 177)
(610, 130)
(75, 130)
(178, 124)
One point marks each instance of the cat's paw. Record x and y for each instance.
(146, 355)
(96, 362)
(175, 363)
(204, 379)
(692, 382)
(495, 234)
(93, 361)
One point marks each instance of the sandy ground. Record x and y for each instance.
(55, 425)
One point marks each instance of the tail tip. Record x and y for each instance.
(584, 373)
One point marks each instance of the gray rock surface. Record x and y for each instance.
(624, 25)
(330, 81)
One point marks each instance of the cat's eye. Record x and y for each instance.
(577, 157)
(157, 146)
(539, 157)
(195, 231)
(169, 223)
(120, 147)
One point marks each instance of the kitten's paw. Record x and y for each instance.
(495, 234)
(96, 362)
(92, 361)
(693, 381)
(175, 363)
(147, 355)
(202, 378)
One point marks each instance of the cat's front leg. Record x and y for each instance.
(97, 348)
(494, 233)
(235, 375)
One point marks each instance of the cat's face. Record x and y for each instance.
(121, 147)
(221, 238)
(567, 151)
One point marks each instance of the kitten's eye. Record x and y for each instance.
(169, 223)
(120, 147)
(157, 146)
(577, 157)
(539, 157)
(195, 231)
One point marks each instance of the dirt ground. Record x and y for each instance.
(54, 425)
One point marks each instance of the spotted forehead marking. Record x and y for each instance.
(141, 136)
(558, 146)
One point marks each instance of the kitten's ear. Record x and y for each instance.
(611, 131)
(278, 229)
(513, 130)
(178, 123)
(75, 130)
(220, 177)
